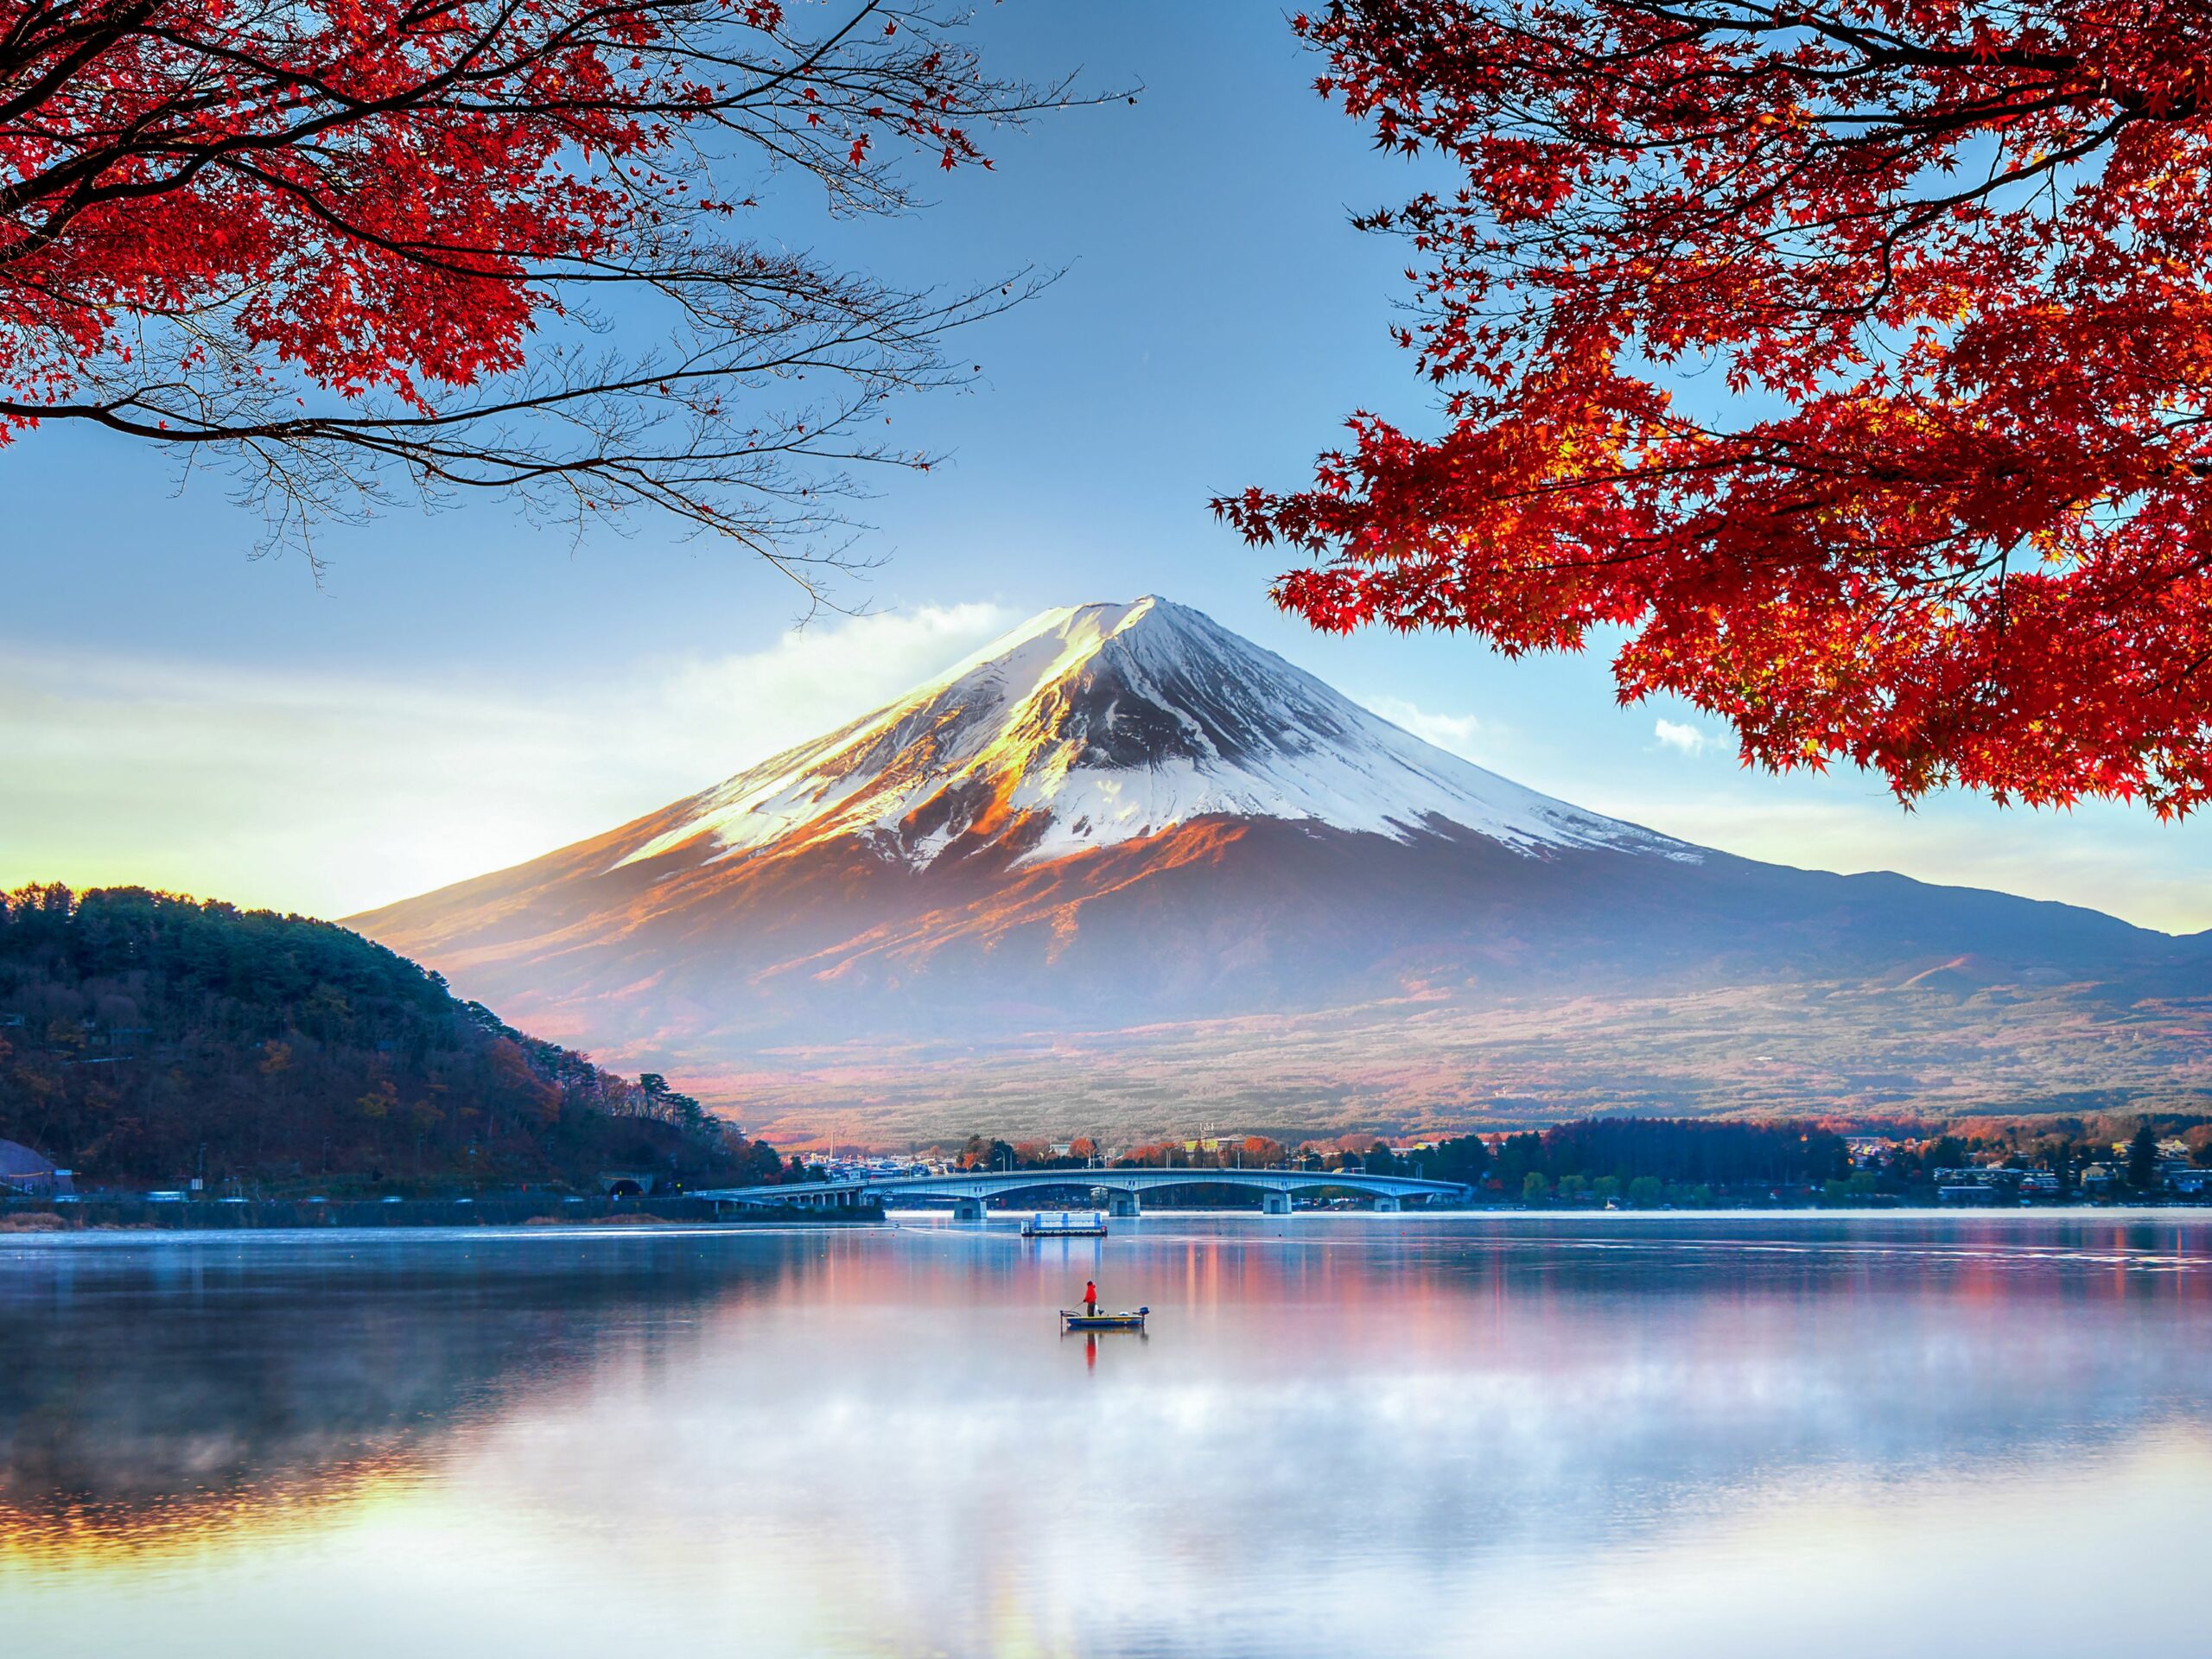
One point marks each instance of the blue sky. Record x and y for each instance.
(464, 691)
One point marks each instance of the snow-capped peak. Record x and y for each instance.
(1101, 723)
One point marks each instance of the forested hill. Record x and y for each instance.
(148, 1038)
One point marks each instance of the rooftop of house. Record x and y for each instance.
(17, 1159)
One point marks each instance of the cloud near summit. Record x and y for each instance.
(1683, 738)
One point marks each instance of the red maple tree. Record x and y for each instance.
(358, 246)
(1938, 503)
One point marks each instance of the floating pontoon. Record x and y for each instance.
(1064, 1223)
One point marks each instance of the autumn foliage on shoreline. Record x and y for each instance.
(361, 249)
(148, 1036)
(1937, 504)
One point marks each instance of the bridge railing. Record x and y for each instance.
(952, 1184)
(1117, 1172)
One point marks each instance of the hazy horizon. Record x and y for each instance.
(463, 691)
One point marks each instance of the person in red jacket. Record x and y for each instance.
(1091, 1298)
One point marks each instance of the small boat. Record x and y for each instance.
(1057, 1224)
(1074, 1318)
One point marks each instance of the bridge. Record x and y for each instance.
(971, 1190)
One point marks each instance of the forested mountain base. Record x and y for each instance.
(147, 1038)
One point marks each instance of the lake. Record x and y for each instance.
(1522, 1434)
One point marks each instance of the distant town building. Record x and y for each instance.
(1869, 1151)
(1969, 1193)
(1993, 1183)
(27, 1174)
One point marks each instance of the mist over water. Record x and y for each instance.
(1529, 1435)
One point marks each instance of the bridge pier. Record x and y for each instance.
(1275, 1203)
(969, 1210)
(1123, 1203)
(1385, 1201)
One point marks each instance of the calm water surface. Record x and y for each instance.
(1715, 1435)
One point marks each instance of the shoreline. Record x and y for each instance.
(610, 1222)
(33, 1218)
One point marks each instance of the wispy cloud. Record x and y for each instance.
(1677, 734)
(333, 792)
(1455, 733)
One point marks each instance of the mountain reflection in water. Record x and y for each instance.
(1680, 1434)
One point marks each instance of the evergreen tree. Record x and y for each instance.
(2143, 1158)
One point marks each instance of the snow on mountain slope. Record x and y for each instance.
(1098, 724)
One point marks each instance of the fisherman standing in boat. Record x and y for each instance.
(1090, 1299)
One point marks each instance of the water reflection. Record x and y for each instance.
(154, 1388)
(1340, 1435)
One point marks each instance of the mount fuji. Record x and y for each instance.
(1123, 868)
(1090, 727)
